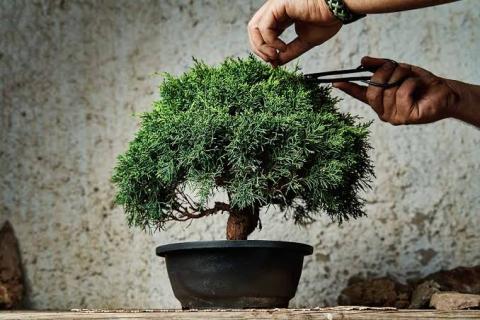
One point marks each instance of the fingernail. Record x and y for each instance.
(365, 58)
(389, 65)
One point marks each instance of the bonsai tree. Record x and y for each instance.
(263, 136)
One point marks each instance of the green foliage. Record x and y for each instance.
(264, 136)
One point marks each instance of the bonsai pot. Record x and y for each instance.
(234, 274)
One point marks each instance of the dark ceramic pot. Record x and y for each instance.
(234, 274)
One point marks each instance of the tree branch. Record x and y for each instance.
(218, 207)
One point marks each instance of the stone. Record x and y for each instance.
(422, 294)
(11, 278)
(454, 301)
(380, 292)
(461, 279)
(417, 294)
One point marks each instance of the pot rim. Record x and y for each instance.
(303, 248)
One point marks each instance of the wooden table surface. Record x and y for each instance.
(345, 313)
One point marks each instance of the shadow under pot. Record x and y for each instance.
(234, 274)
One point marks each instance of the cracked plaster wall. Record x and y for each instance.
(72, 73)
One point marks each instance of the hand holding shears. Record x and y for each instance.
(399, 93)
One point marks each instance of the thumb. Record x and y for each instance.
(352, 89)
(293, 50)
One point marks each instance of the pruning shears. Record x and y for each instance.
(325, 77)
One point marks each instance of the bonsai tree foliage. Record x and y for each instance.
(263, 136)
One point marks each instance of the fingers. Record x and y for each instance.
(312, 25)
(277, 44)
(414, 100)
(260, 48)
(395, 105)
(264, 29)
(390, 105)
(271, 27)
(373, 64)
(383, 74)
(408, 112)
(256, 41)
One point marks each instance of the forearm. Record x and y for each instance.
(467, 107)
(385, 6)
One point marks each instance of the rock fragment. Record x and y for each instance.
(11, 276)
(454, 301)
(380, 292)
(461, 279)
(422, 294)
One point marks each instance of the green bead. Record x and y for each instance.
(341, 12)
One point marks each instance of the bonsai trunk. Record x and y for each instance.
(242, 222)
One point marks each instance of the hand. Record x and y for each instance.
(314, 24)
(422, 97)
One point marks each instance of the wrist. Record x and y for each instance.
(464, 101)
(356, 6)
(455, 100)
(327, 15)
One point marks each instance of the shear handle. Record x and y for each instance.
(314, 77)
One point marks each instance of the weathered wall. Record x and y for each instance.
(74, 72)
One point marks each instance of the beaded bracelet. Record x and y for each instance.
(341, 12)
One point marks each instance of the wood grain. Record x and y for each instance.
(276, 314)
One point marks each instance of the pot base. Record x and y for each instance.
(234, 303)
(234, 274)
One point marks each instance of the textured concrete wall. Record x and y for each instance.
(74, 72)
